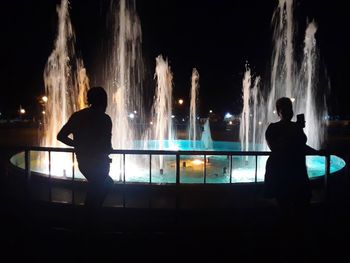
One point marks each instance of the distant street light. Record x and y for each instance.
(21, 112)
(180, 101)
(44, 99)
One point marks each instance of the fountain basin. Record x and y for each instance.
(215, 168)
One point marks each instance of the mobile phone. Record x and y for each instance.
(301, 119)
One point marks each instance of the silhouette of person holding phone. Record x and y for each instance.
(286, 177)
(92, 130)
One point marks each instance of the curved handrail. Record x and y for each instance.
(176, 153)
(169, 152)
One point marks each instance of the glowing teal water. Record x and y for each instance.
(217, 167)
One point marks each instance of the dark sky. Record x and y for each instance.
(216, 37)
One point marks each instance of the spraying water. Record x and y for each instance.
(288, 79)
(123, 75)
(192, 132)
(250, 112)
(123, 71)
(307, 97)
(162, 128)
(244, 127)
(256, 123)
(206, 136)
(66, 82)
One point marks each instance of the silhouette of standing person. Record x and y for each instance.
(286, 177)
(92, 130)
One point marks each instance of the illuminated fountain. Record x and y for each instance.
(161, 134)
(206, 139)
(250, 110)
(288, 79)
(66, 84)
(123, 75)
(123, 71)
(193, 125)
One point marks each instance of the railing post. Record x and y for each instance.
(347, 170)
(256, 169)
(27, 164)
(50, 165)
(124, 168)
(50, 183)
(150, 182)
(326, 176)
(150, 168)
(177, 169)
(124, 185)
(73, 170)
(255, 180)
(231, 166)
(73, 177)
(205, 169)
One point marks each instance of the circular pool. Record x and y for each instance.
(221, 163)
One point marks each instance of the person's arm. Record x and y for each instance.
(310, 150)
(65, 131)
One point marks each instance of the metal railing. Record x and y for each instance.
(150, 153)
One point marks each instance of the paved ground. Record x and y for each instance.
(41, 231)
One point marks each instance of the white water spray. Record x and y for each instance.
(123, 72)
(206, 136)
(192, 131)
(66, 84)
(286, 81)
(162, 129)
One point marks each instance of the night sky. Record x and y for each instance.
(216, 37)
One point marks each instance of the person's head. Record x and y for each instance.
(97, 98)
(284, 108)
